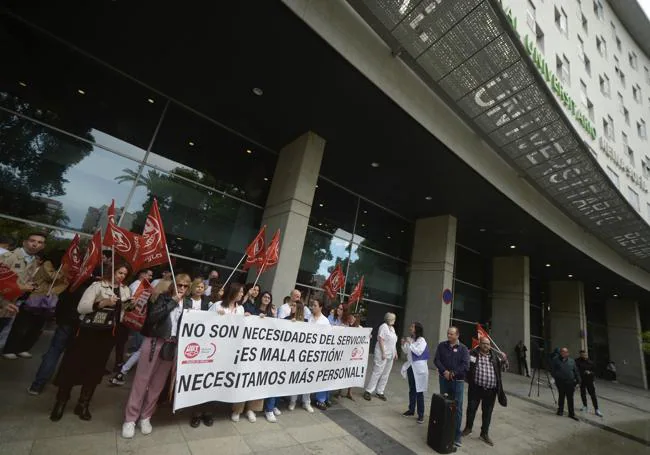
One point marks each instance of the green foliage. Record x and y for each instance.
(645, 337)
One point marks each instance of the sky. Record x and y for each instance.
(645, 4)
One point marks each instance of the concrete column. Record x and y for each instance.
(431, 272)
(568, 317)
(511, 305)
(288, 208)
(625, 348)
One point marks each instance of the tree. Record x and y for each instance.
(34, 160)
(645, 337)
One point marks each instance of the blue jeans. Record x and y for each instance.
(455, 390)
(320, 397)
(50, 360)
(269, 404)
(415, 397)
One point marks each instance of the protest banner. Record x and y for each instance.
(234, 358)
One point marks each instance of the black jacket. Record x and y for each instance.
(496, 363)
(586, 369)
(159, 322)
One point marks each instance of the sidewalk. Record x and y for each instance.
(526, 426)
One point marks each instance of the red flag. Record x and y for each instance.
(334, 282)
(357, 292)
(90, 261)
(135, 317)
(9, 288)
(475, 343)
(153, 245)
(72, 258)
(272, 254)
(255, 251)
(481, 332)
(124, 242)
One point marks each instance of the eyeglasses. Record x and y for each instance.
(182, 285)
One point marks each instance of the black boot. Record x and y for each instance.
(84, 401)
(57, 412)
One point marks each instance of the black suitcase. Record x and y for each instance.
(442, 424)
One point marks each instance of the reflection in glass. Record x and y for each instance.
(52, 178)
(382, 231)
(201, 270)
(385, 277)
(43, 79)
(320, 255)
(333, 209)
(199, 223)
(470, 303)
(224, 160)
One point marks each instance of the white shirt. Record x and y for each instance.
(388, 336)
(175, 316)
(3, 251)
(284, 311)
(196, 304)
(320, 320)
(217, 308)
(134, 286)
(155, 282)
(308, 314)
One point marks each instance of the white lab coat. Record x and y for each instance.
(420, 367)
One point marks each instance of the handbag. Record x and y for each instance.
(103, 319)
(41, 304)
(503, 399)
(168, 349)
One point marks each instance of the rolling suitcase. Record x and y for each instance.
(442, 424)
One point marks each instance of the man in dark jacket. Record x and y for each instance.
(566, 375)
(485, 384)
(586, 369)
(520, 350)
(452, 362)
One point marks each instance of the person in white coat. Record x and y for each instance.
(385, 353)
(416, 369)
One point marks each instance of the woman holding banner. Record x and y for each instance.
(157, 354)
(83, 364)
(265, 306)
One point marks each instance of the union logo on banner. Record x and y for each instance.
(154, 243)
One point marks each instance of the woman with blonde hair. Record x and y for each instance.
(157, 354)
(101, 310)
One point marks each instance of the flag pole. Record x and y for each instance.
(171, 267)
(233, 271)
(56, 275)
(258, 275)
(112, 266)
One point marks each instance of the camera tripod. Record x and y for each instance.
(536, 373)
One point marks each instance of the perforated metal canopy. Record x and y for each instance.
(468, 53)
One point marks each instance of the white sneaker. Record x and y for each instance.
(234, 417)
(277, 412)
(128, 430)
(25, 355)
(270, 417)
(307, 407)
(583, 409)
(292, 405)
(251, 416)
(145, 426)
(598, 413)
(10, 356)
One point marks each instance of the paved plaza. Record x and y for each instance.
(526, 426)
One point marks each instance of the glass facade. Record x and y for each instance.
(75, 133)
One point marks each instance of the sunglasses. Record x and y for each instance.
(182, 285)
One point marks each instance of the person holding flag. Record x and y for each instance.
(101, 308)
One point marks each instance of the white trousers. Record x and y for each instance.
(379, 377)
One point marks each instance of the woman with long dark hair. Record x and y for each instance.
(249, 302)
(265, 306)
(160, 332)
(100, 309)
(416, 369)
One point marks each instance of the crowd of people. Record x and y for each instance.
(89, 329)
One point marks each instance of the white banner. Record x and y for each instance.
(236, 358)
